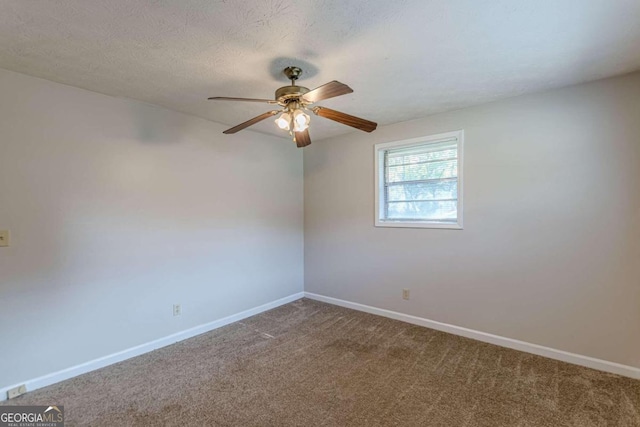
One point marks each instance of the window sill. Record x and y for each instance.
(418, 224)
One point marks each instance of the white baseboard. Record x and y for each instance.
(564, 356)
(65, 374)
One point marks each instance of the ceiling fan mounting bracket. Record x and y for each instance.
(292, 73)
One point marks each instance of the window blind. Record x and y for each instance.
(421, 182)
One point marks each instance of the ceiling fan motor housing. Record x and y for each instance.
(286, 94)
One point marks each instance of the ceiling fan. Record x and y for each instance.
(295, 100)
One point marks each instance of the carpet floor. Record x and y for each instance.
(314, 364)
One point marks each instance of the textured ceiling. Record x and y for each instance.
(403, 58)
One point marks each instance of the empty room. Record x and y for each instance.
(320, 213)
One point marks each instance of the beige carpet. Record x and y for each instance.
(313, 364)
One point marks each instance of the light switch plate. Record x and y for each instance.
(4, 238)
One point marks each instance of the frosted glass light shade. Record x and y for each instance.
(283, 122)
(300, 121)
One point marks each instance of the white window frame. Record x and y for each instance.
(379, 181)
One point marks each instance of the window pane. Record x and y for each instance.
(429, 210)
(423, 191)
(418, 181)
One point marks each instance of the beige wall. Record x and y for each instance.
(550, 251)
(118, 210)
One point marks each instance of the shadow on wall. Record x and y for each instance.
(144, 118)
(153, 126)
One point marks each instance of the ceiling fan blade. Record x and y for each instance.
(302, 138)
(345, 119)
(326, 91)
(251, 122)
(226, 98)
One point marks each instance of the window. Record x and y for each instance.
(419, 182)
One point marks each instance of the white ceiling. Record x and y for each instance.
(404, 58)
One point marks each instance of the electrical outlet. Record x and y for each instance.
(405, 294)
(4, 237)
(17, 391)
(177, 309)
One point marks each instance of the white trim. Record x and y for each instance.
(92, 365)
(564, 356)
(379, 183)
(417, 224)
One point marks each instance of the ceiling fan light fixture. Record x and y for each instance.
(300, 121)
(283, 122)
